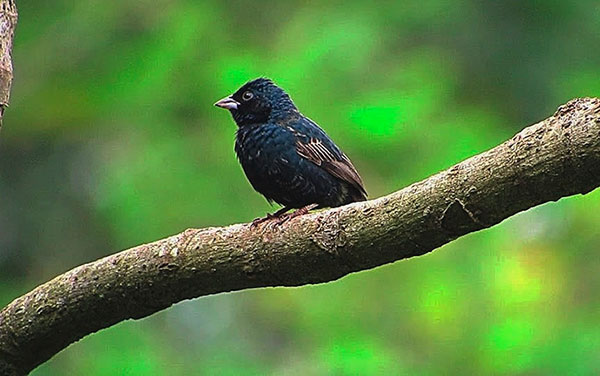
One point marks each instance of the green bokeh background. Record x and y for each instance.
(111, 140)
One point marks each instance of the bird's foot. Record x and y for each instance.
(275, 216)
(280, 216)
(300, 212)
(258, 221)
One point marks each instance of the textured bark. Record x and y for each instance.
(557, 157)
(8, 21)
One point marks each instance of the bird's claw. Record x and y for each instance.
(275, 220)
(278, 219)
(258, 221)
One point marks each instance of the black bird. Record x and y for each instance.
(287, 157)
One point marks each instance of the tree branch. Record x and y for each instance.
(8, 21)
(557, 157)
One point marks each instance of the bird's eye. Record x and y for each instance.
(247, 96)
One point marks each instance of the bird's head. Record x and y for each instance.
(258, 101)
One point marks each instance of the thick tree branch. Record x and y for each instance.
(8, 21)
(557, 157)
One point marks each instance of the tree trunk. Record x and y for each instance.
(8, 21)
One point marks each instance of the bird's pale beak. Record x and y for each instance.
(228, 103)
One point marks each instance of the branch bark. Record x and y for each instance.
(8, 22)
(554, 158)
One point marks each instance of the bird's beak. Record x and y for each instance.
(228, 103)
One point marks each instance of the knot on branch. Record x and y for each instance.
(330, 234)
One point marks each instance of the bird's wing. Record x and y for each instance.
(334, 162)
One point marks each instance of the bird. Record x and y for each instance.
(286, 156)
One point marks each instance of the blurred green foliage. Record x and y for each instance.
(111, 140)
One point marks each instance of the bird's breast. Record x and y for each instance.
(264, 149)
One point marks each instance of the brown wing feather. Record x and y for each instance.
(343, 169)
